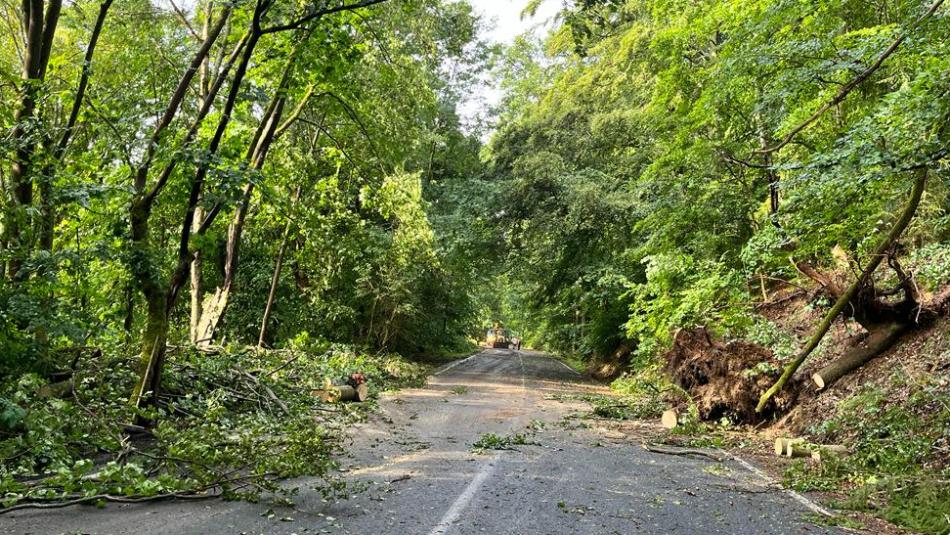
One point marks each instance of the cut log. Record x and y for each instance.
(336, 393)
(795, 451)
(878, 342)
(361, 392)
(670, 419)
(828, 452)
(804, 449)
(782, 444)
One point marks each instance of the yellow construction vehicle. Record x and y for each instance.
(498, 336)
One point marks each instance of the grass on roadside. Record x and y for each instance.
(899, 468)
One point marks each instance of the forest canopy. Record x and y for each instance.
(664, 163)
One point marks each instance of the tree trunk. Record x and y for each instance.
(152, 355)
(771, 177)
(275, 279)
(196, 285)
(128, 322)
(185, 256)
(880, 341)
(40, 28)
(160, 299)
(196, 264)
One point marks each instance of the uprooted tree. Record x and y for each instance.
(886, 321)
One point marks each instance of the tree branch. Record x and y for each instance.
(83, 81)
(319, 13)
(141, 175)
(184, 20)
(858, 80)
(202, 113)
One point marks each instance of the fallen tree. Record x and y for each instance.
(878, 342)
(867, 306)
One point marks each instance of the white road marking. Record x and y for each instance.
(524, 388)
(451, 365)
(455, 511)
(572, 370)
(812, 506)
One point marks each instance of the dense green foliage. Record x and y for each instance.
(281, 165)
(645, 182)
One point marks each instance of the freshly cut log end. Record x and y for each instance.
(783, 444)
(878, 342)
(670, 419)
(333, 393)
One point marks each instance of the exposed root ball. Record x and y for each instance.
(725, 378)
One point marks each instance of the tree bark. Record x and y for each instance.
(880, 341)
(805, 450)
(771, 178)
(197, 284)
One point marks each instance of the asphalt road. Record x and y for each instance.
(419, 475)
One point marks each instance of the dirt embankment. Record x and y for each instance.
(726, 377)
(612, 366)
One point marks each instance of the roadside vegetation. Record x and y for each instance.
(740, 210)
(232, 422)
(211, 211)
